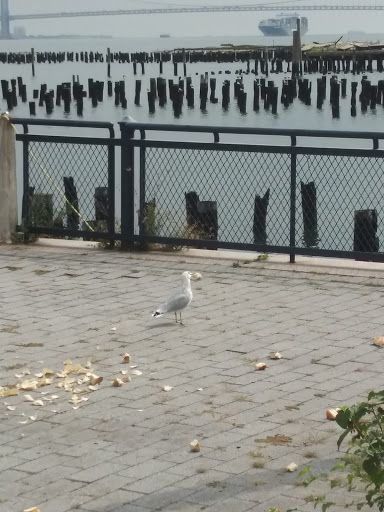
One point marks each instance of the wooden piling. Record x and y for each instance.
(343, 87)
(207, 224)
(202, 218)
(4, 88)
(152, 87)
(191, 203)
(26, 204)
(108, 62)
(177, 100)
(151, 102)
(226, 93)
(67, 99)
(137, 92)
(71, 196)
(20, 85)
(365, 231)
(80, 105)
(373, 98)
(101, 204)
(203, 93)
(24, 93)
(260, 218)
(162, 91)
(43, 90)
(33, 61)
(48, 100)
(32, 108)
(190, 94)
(309, 209)
(212, 98)
(274, 94)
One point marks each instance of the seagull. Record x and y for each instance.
(179, 300)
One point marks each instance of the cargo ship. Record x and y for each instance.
(283, 25)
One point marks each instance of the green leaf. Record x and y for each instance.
(341, 438)
(373, 468)
(343, 417)
(373, 394)
(304, 471)
(339, 467)
(326, 505)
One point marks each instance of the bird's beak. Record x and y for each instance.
(196, 276)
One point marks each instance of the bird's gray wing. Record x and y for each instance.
(175, 303)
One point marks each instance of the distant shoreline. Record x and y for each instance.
(40, 36)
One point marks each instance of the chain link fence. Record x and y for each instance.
(293, 199)
(218, 195)
(340, 203)
(268, 198)
(68, 183)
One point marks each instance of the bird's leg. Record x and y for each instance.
(176, 316)
(181, 322)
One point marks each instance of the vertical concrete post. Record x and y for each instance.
(5, 30)
(8, 193)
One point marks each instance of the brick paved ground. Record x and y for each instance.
(127, 448)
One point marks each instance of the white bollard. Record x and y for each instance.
(8, 191)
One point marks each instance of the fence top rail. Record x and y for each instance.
(26, 121)
(133, 125)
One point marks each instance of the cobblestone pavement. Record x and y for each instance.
(126, 449)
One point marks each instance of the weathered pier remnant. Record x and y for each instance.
(201, 217)
(309, 209)
(260, 218)
(365, 231)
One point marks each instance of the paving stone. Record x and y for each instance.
(103, 486)
(42, 493)
(112, 502)
(154, 483)
(98, 471)
(229, 505)
(109, 456)
(145, 469)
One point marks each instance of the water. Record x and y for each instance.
(234, 191)
(300, 116)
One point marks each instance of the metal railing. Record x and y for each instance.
(273, 195)
(66, 178)
(263, 190)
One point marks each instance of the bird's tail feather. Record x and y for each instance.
(157, 313)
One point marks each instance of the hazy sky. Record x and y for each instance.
(188, 24)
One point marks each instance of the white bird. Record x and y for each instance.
(180, 300)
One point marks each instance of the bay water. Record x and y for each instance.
(344, 184)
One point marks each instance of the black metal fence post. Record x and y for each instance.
(111, 190)
(127, 185)
(142, 209)
(26, 214)
(292, 226)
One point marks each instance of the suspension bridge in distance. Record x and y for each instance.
(7, 17)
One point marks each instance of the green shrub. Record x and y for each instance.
(363, 462)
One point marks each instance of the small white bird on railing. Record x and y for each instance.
(180, 300)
